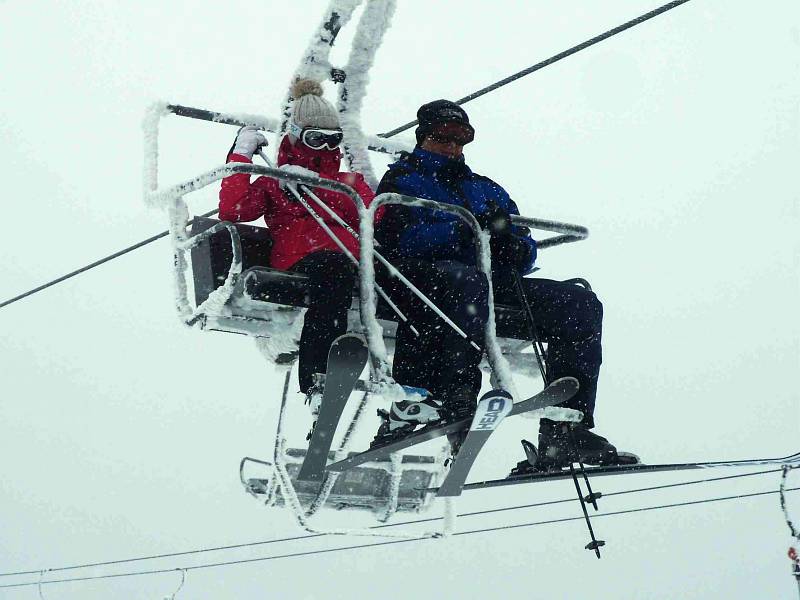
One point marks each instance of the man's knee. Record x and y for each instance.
(586, 312)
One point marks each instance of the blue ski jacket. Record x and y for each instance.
(415, 232)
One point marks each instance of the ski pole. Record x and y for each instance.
(392, 269)
(344, 224)
(537, 343)
(339, 243)
(428, 302)
(321, 222)
(334, 215)
(539, 350)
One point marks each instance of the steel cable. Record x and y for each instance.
(390, 542)
(388, 134)
(402, 523)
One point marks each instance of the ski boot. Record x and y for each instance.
(403, 416)
(561, 444)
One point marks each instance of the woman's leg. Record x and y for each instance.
(330, 294)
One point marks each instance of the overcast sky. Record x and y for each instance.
(121, 431)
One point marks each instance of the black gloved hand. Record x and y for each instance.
(496, 221)
(510, 251)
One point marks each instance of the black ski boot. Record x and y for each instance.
(558, 444)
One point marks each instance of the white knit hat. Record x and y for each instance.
(310, 109)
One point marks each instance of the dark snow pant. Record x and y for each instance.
(439, 359)
(569, 318)
(330, 294)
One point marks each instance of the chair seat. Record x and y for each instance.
(264, 285)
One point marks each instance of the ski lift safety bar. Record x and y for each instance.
(375, 143)
(569, 232)
(368, 303)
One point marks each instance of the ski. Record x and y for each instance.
(622, 469)
(493, 407)
(346, 359)
(557, 392)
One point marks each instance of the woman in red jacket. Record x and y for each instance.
(299, 242)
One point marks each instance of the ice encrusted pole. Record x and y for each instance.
(152, 117)
(315, 63)
(372, 26)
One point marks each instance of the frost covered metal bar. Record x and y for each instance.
(372, 26)
(570, 233)
(289, 492)
(332, 213)
(374, 143)
(238, 119)
(173, 200)
(501, 372)
(217, 298)
(163, 197)
(315, 63)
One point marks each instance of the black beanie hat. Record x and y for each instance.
(439, 111)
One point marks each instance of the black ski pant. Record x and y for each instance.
(439, 359)
(569, 318)
(329, 295)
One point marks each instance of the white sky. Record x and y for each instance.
(121, 432)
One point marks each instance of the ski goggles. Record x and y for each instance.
(452, 131)
(317, 138)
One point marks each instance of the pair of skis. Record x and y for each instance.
(792, 459)
(348, 356)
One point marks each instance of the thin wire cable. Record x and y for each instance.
(553, 59)
(96, 263)
(388, 134)
(399, 524)
(395, 541)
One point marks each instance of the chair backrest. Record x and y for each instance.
(211, 259)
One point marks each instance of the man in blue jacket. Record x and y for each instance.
(436, 251)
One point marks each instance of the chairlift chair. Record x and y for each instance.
(233, 291)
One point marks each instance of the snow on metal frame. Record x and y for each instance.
(501, 371)
(315, 63)
(172, 199)
(303, 517)
(372, 26)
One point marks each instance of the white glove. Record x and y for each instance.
(248, 141)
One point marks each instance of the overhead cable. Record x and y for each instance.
(96, 263)
(551, 60)
(399, 524)
(388, 134)
(390, 542)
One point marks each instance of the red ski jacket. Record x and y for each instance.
(295, 233)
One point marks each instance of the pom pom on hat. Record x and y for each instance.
(303, 87)
(310, 108)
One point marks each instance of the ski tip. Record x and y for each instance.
(566, 382)
(530, 451)
(496, 393)
(351, 338)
